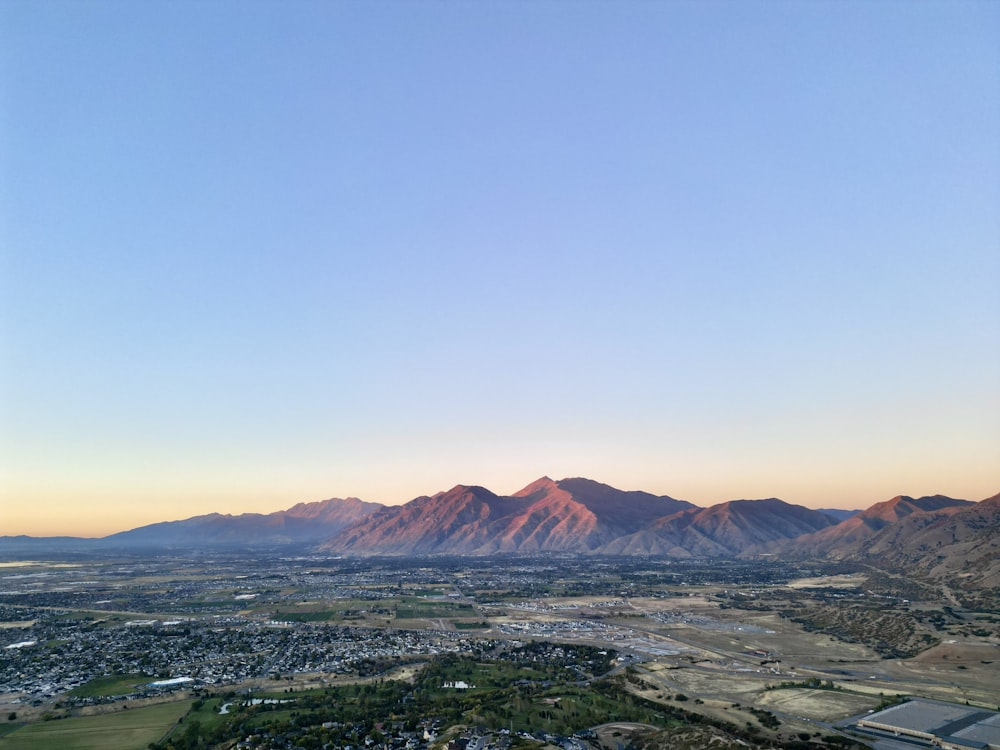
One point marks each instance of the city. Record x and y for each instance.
(487, 652)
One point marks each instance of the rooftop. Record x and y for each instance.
(961, 725)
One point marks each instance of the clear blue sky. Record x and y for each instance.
(257, 253)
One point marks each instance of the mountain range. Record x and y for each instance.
(302, 524)
(940, 537)
(573, 515)
(858, 533)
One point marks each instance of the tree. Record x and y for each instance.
(192, 734)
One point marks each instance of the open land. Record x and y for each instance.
(123, 730)
(309, 651)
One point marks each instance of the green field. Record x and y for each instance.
(205, 714)
(423, 609)
(349, 611)
(117, 684)
(125, 730)
(353, 610)
(321, 615)
(8, 727)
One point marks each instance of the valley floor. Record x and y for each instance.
(728, 652)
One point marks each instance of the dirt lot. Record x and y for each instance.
(822, 705)
(960, 671)
(849, 580)
(740, 653)
(738, 633)
(707, 684)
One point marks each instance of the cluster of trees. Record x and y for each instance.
(533, 689)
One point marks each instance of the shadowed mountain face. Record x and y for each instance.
(723, 530)
(839, 515)
(958, 545)
(454, 521)
(851, 536)
(571, 515)
(305, 523)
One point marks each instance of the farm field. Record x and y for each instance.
(112, 685)
(123, 730)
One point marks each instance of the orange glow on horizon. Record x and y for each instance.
(88, 517)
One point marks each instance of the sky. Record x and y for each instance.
(261, 253)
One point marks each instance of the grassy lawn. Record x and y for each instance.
(9, 727)
(207, 715)
(116, 684)
(322, 615)
(348, 611)
(124, 730)
(439, 591)
(423, 609)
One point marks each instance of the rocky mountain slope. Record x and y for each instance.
(853, 535)
(958, 546)
(838, 514)
(305, 523)
(945, 541)
(571, 515)
(722, 530)
(574, 515)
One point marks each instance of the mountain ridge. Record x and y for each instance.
(935, 535)
(569, 515)
(302, 523)
(575, 515)
(852, 534)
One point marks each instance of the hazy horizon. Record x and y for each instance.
(236, 510)
(259, 254)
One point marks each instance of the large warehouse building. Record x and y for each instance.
(945, 725)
